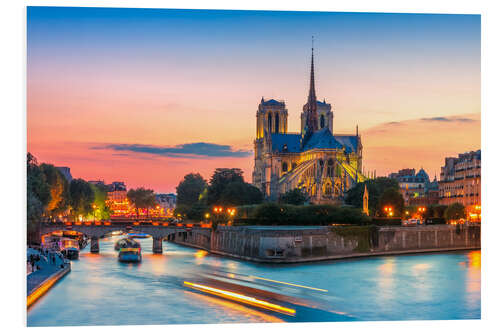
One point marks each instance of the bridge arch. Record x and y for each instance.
(97, 231)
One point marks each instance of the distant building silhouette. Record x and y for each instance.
(66, 171)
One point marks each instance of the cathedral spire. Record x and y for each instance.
(312, 116)
(312, 90)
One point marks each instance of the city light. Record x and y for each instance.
(241, 298)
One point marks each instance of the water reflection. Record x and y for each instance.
(473, 282)
(106, 292)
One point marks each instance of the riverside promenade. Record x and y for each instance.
(49, 272)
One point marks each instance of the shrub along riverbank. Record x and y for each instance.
(283, 214)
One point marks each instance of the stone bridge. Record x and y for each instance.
(157, 230)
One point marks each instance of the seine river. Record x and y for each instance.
(102, 291)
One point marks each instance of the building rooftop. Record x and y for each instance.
(322, 139)
(272, 102)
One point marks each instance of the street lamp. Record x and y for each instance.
(388, 210)
(94, 207)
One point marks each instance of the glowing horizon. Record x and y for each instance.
(146, 96)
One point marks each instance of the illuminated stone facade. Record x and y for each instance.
(460, 181)
(323, 165)
(416, 188)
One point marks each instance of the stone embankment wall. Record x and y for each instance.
(298, 244)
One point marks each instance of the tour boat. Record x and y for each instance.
(138, 235)
(126, 243)
(130, 254)
(69, 248)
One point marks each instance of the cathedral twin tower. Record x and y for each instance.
(272, 115)
(322, 165)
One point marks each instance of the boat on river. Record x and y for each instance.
(130, 254)
(70, 248)
(138, 235)
(126, 243)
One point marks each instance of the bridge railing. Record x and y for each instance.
(124, 223)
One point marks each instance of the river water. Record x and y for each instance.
(102, 291)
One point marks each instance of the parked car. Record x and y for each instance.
(411, 222)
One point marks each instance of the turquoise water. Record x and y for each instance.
(102, 291)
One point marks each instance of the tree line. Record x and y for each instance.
(50, 195)
(226, 188)
(384, 192)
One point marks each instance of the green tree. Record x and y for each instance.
(239, 193)
(455, 211)
(190, 189)
(38, 196)
(36, 182)
(194, 212)
(438, 211)
(294, 197)
(100, 210)
(393, 198)
(375, 187)
(283, 214)
(58, 187)
(142, 199)
(81, 197)
(220, 179)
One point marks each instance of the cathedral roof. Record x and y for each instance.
(322, 139)
(285, 143)
(349, 141)
(272, 102)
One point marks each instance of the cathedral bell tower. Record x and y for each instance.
(272, 117)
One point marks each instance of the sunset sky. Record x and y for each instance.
(146, 96)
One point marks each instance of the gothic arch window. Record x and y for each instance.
(322, 121)
(284, 167)
(277, 123)
(328, 189)
(329, 170)
(294, 165)
(269, 122)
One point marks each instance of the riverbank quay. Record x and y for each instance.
(41, 280)
(296, 244)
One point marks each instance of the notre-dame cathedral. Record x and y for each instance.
(323, 165)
